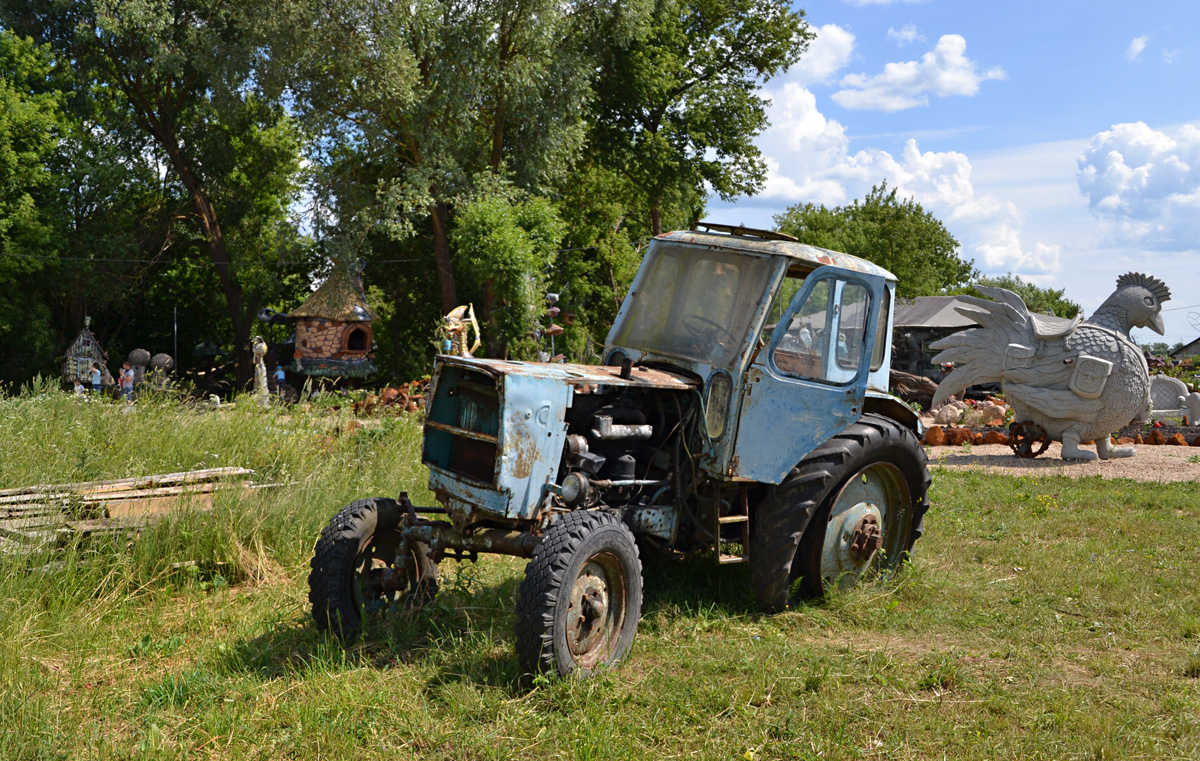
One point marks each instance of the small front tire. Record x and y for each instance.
(355, 552)
(580, 601)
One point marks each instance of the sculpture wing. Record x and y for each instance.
(978, 354)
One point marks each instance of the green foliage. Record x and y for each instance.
(677, 102)
(897, 234)
(1162, 348)
(506, 241)
(1037, 299)
(31, 121)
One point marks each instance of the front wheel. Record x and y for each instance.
(580, 602)
(854, 505)
(353, 572)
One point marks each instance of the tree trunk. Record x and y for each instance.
(441, 249)
(655, 217)
(234, 301)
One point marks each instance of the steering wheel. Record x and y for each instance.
(707, 330)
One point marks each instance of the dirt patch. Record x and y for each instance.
(1152, 463)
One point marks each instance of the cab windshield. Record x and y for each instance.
(694, 303)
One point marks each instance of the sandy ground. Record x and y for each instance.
(1152, 463)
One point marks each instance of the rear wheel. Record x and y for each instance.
(580, 602)
(353, 574)
(854, 505)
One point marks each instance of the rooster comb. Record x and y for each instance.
(1152, 284)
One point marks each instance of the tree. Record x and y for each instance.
(1042, 300)
(677, 104)
(184, 72)
(412, 101)
(506, 240)
(30, 122)
(898, 235)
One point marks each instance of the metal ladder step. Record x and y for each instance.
(743, 518)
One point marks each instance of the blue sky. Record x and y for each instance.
(1058, 140)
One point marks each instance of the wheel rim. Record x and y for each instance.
(373, 564)
(596, 610)
(865, 527)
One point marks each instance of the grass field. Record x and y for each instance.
(1040, 618)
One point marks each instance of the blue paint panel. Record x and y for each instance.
(783, 418)
(478, 496)
(532, 436)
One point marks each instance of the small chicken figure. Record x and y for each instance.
(1078, 379)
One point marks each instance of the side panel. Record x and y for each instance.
(533, 433)
(493, 441)
(784, 417)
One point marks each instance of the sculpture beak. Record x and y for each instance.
(1156, 324)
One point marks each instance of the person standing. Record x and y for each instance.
(280, 377)
(97, 380)
(127, 382)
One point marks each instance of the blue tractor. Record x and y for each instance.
(741, 409)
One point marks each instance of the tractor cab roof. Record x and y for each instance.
(767, 242)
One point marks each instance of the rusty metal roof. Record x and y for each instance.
(579, 375)
(816, 257)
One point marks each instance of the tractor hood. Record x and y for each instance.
(577, 375)
(495, 430)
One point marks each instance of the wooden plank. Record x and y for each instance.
(137, 482)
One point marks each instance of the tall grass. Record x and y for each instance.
(1041, 618)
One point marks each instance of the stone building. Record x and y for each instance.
(333, 327)
(83, 351)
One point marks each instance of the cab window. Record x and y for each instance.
(826, 335)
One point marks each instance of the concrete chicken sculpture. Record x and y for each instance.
(1079, 380)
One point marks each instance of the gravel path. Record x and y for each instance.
(1152, 463)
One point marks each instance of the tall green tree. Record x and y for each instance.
(506, 239)
(677, 103)
(31, 122)
(183, 69)
(409, 102)
(897, 234)
(1038, 299)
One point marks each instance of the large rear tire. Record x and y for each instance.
(855, 504)
(355, 551)
(580, 601)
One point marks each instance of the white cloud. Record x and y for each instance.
(1136, 47)
(810, 161)
(905, 34)
(1144, 184)
(827, 54)
(1170, 56)
(944, 71)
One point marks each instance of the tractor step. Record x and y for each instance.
(742, 517)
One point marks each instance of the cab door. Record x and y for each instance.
(810, 381)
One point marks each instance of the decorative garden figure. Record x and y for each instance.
(457, 328)
(261, 394)
(1077, 380)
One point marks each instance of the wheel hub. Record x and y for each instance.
(866, 539)
(852, 539)
(588, 623)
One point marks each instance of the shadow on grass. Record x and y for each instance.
(466, 634)
(689, 584)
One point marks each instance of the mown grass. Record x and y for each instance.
(1041, 618)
